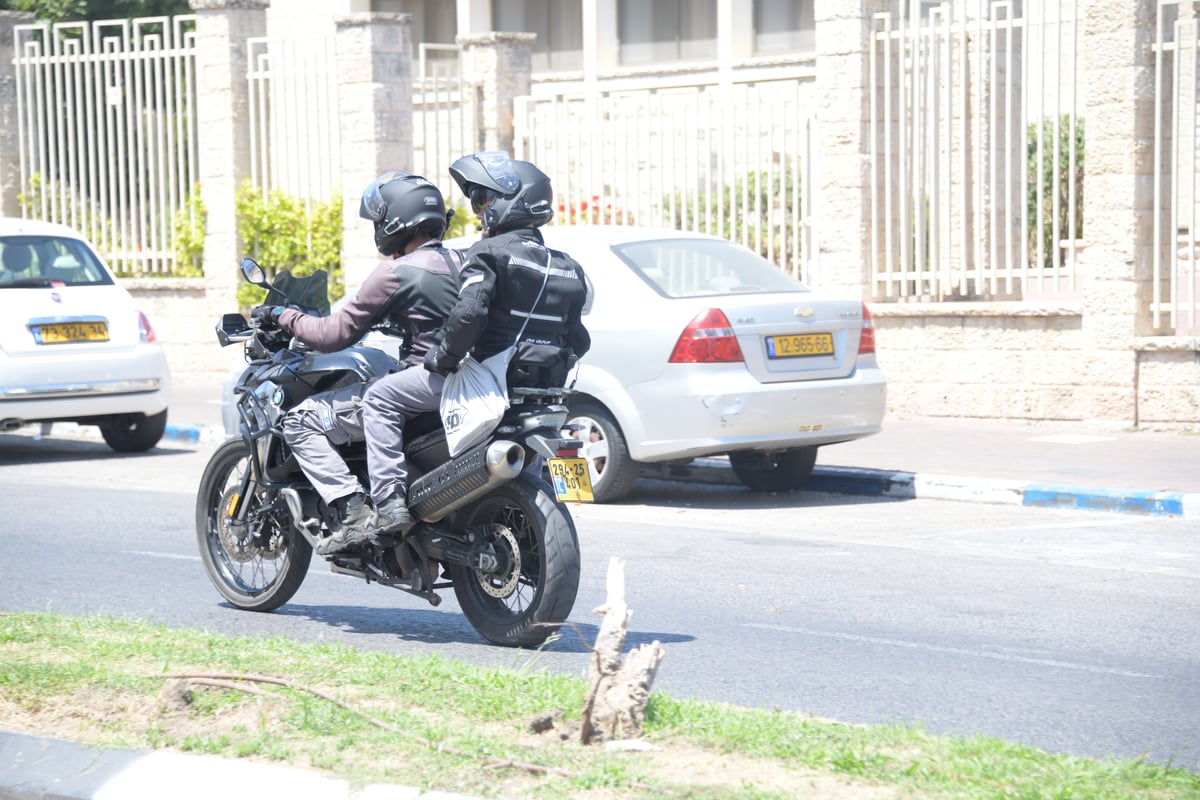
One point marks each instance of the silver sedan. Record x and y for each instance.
(700, 347)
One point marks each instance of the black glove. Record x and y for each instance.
(439, 362)
(267, 317)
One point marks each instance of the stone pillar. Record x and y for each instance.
(223, 130)
(10, 153)
(375, 101)
(843, 156)
(501, 65)
(1118, 204)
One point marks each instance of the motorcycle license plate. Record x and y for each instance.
(571, 479)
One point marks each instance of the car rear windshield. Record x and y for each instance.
(700, 267)
(29, 261)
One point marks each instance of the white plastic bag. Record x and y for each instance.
(474, 398)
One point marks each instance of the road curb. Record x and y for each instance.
(908, 486)
(38, 768)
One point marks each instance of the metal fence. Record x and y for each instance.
(107, 132)
(730, 158)
(295, 142)
(975, 158)
(1175, 301)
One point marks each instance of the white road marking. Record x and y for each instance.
(851, 637)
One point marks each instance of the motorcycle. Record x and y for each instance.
(487, 524)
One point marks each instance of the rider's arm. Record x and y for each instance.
(347, 325)
(469, 318)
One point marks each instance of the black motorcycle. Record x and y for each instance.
(488, 524)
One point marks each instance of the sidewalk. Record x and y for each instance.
(1063, 464)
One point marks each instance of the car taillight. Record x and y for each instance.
(145, 332)
(866, 341)
(708, 339)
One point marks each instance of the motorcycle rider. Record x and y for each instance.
(510, 279)
(414, 291)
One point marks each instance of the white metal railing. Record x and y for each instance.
(445, 115)
(1175, 304)
(295, 140)
(729, 157)
(107, 131)
(294, 136)
(975, 149)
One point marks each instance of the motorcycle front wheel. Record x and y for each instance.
(256, 565)
(527, 600)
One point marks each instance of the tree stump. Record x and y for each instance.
(615, 705)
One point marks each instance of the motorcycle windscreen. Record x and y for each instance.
(310, 292)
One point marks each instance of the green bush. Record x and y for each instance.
(1059, 152)
(281, 232)
(189, 225)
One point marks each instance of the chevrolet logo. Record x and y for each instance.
(802, 311)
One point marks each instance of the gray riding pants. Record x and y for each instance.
(387, 405)
(314, 429)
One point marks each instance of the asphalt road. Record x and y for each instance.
(1067, 630)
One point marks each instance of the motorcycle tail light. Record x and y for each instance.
(708, 339)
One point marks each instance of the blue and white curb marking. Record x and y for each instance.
(911, 486)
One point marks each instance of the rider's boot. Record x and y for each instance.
(356, 518)
(392, 515)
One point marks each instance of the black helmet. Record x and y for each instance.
(519, 191)
(399, 203)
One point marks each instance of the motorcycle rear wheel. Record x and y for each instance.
(528, 602)
(254, 570)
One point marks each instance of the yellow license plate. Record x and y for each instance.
(62, 332)
(800, 344)
(571, 479)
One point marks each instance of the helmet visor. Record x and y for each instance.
(500, 169)
(480, 197)
(374, 207)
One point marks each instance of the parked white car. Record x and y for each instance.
(73, 346)
(701, 347)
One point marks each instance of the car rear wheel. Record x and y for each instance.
(780, 471)
(133, 433)
(612, 471)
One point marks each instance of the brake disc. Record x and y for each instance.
(501, 585)
(237, 538)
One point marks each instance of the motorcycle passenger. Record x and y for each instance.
(511, 279)
(414, 291)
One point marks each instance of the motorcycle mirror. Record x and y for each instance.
(255, 274)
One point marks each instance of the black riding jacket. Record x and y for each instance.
(415, 292)
(501, 278)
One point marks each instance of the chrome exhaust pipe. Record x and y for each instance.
(10, 424)
(473, 474)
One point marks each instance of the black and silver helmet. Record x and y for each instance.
(399, 204)
(519, 192)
